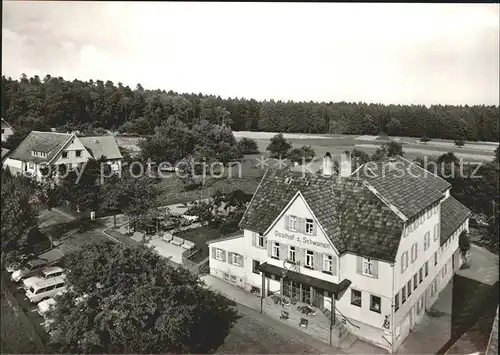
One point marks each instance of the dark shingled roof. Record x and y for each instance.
(102, 146)
(404, 184)
(353, 218)
(453, 214)
(46, 142)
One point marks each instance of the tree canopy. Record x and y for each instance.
(79, 105)
(130, 300)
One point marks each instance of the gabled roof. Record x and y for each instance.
(102, 146)
(453, 214)
(353, 218)
(46, 142)
(5, 124)
(404, 184)
(493, 342)
(5, 152)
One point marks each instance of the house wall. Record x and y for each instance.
(6, 133)
(15, 166)
(71, 149)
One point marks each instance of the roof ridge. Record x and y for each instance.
(61, 133)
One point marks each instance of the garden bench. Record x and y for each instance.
(188, 245)
(177, 241)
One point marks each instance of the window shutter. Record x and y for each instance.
(223, 255)
(230, 257)
(375, 268)
(438, 230)
(402, 262)
(359, 265)
(254, 239)
(287, 223)
(283, 251)
(214, 253)
(300, 256)
(318, 261)
(416, 251)
(242, 260)
(315, 228)
(334, 265)
(302, 225)
(270, 249)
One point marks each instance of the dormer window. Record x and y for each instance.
(64, 155)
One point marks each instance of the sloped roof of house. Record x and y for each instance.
(353, 218)
(453, 214)
(493, 342)
(4, 153)
(46, 142)
(404, 184)
(5, 124)
(100, 146)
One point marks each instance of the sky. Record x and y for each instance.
(382, 53)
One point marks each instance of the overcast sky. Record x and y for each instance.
(389, 53)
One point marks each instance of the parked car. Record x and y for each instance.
(16, 263)
(41, 289)
(31, 268)
(45, 274)
(45, 306)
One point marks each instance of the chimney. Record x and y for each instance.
(327, 165)
(345, 164)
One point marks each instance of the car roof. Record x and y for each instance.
(49, 282)
(51, 269)
(37, 262)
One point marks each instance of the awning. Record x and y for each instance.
(269, 269)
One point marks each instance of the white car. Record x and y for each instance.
(39, 289)
(45, 306)
(46, 273)
(32, 267)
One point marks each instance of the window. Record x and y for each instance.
(31, 165)
(404, 261)
(356, 298)
(422, 218)
(420, 305)
(260, 241)
(64, 155)
(291, 253)
(327, 263)
(276, 250)
(236, 259)
(368, 266)
(426, 268)
(421, 275)
(218, 254)
(233, 279)
(427, 240)
(436, 232)
(78, 153)
(443, 272)
(415, 283)
(436, 209)
(226, 277)
(429, 213)
(414, 252)
(435, 258)
(409, 288)
(375, 303)
(396, 302)
(255, 267)
(403, 294)
(292, 223)
(309, 258)
(309, 226)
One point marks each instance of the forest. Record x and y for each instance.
(52, 102)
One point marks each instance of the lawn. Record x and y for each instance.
(200, 236)
(16, 337)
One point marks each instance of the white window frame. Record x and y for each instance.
(414, 252)
(429, 213)
(276, 250)
(436, 234)
(368, 267)
(292, 223)
(427, 240)
(309, 226)
(404, 261)
(236, 259)
(78, 153)
(309, 257)
(218, 254)
(373, 309)
(328, 263)
(260, 238)
(292, 251)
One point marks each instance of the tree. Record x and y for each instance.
(447, 158)
(302, 154)
(359, 158)
(464, 246)
(387, 150)
(20, 208)
(459, 143)
(279, 146)
(248, 146)
(130, 300)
